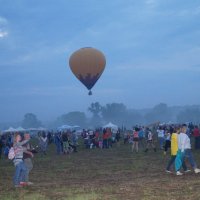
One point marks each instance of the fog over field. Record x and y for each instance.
(152, 50)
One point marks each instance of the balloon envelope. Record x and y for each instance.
(87, 64)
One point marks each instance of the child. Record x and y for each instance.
(20, 168)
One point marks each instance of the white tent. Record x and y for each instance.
(20, 129)
(10, 130)
(111, 125)
(65, 127)
(36, 129)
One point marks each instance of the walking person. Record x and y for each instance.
(174, 150)
(184, 151)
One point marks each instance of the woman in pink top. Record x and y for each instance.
(135, 140)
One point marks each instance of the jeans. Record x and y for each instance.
(105, 143)
(58, 148)
(172, 160)
(20, 172)
(179, 160)
(188, 154)
(197, 142)
(161, 142)
(29, 166)
(167, 145)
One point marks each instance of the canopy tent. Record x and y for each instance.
(20, 129)
(111, 125)
(36, 129)
(10, 130)
(64, 127)
(68, 127)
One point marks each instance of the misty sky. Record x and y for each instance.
(152, 49)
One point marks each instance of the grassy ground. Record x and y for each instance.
(108, 174)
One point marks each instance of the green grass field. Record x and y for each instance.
(107, 174)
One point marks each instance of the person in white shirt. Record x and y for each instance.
(161, 137)
(150, 141)
(184, 148)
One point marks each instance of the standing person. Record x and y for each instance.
(167, 141)
(105, 139)
(109, 137)
(174, 150)
(161, 137)
(6, 150)
(117, 137)
(1, 147)
(65, 143)
(135, 140)
(125, 136)
(57, 141)
(43, 143)
(184, 151)
(20, 167)
(196, 134)
(27, 158)
(141, 138)
(150, 141)
(49, 137)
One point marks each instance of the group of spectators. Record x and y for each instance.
(175, 137)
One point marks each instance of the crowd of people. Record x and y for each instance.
(177, 138)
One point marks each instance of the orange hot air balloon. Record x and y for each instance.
(87, 64)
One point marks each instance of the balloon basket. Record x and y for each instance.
(90, 93)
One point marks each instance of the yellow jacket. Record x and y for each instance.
(174, 144)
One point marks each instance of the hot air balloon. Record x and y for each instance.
(87, 64)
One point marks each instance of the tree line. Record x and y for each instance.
(119, 114)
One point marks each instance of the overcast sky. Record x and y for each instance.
(152, 48)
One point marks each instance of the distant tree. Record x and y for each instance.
(161, 108)
(74, 118)
(114, 112)
(95, 109)
(133, 118)
(30, 121)
(160, 113)
(191, 114)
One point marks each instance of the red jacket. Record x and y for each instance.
(196, 132)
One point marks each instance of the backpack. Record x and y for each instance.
(11, 154)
